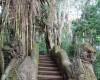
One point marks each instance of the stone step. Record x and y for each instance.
(44, 61)
(49, 72)
(47, 77)
(48, 68)
(44, 56)
(47, 65)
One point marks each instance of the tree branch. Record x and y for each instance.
(86, 4)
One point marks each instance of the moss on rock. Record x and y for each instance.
(88, 48)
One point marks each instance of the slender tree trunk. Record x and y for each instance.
(1, 59)
(91, 38)
(55, 37)
(61, 22)
(59, 17)
(23, 40)
(34, 33)
(31, 37)
(86, 4)
(1, 53)
(27, 39)
(83, 37)
(74, 43)
(39, 36)
(47, 40)
(1, 45)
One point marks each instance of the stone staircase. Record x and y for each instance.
(47, 69)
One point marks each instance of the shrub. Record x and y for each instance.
(97, 66)
(42, 47)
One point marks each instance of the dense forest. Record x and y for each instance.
(66, 30)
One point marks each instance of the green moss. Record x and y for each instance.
(88, 48)
(35, 53)
(62, 55)
(65, 66)
(35, 48)
(56, 48)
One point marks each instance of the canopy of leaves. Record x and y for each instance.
(90, 21)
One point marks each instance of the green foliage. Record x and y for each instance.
(91, 21)
(8, 33)
(36, 22)
(5, 40)
(42, 47)
(67, 46)
(97, 66)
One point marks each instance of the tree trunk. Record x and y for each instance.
(83, 37)
(47, 39)
(91, 38)
(23, 40)
(55, 36)
(34, 34)
(27, 40)
(86, 4)
(1, 59)
(74, 43)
